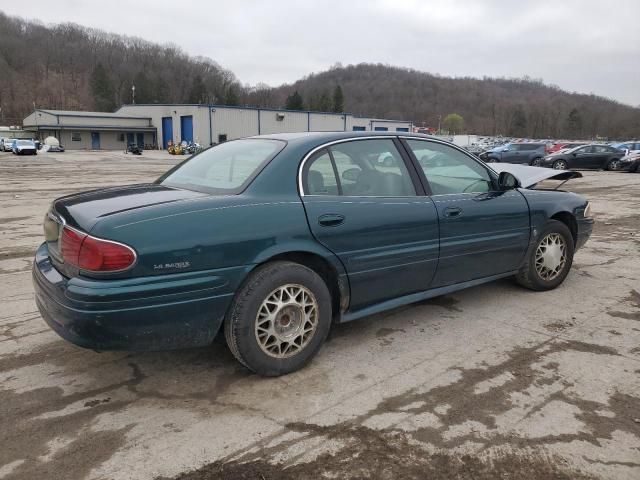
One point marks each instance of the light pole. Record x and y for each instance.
(439, 118)
(133, 94)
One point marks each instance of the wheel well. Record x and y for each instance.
(323, 268)
(570, 221)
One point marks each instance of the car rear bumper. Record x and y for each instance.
(585, 227)
(153, 313)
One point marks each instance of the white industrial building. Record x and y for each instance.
(159, 124)
(91, 130)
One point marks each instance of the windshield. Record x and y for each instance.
(24, 142)
(224, 169)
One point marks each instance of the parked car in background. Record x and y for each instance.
(630, 162)
(627, 147)
(556, 147)
(523, 153)
(54, 148)
(290, 233)
(24, 147)
(5, 144)
(595, 156)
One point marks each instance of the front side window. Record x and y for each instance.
(224, 169)
(448, 170)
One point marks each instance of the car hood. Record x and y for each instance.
(83, 210)
(529, 176)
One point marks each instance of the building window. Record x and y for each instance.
(381, 129)
(75, 137)
(222, 138)
(121, 137)
(359, 129)
(402, 129)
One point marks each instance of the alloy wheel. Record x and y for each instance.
(560, 165)
(286, 321)
(551, 256)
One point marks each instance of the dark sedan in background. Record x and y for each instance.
(588, 156)
(274, 238)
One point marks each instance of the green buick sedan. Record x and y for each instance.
(274, 238)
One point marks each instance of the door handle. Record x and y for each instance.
(331, 220)
(452, 212)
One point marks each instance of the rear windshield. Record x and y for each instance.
(224, 169)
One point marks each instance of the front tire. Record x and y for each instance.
(550, 260)
(613, 164)
(559, 165)
(279, 319)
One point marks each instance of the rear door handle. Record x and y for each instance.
(331, 219)
(452, 212)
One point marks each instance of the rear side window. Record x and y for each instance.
(321, 177)
(360, 168)
(224, 169)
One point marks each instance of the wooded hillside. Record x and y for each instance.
(75, 68)
(490, 106)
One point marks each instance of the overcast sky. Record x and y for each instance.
(581, 45)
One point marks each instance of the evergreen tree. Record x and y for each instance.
(519, 123)
(232, 97)
(102, 89)
(145, 91)
(338, 100)
(574, 123)
(198, 92)
(324, 104)
(294, 102)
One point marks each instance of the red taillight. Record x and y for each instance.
(94, 254)
(70, 243)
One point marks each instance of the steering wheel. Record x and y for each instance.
(472, 184)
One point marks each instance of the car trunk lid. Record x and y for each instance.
(82, 211)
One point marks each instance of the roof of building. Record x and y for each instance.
(78, 113)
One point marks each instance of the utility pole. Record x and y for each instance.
(133, 94)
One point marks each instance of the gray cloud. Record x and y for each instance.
(584, 46)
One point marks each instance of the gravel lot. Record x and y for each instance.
(491, 382)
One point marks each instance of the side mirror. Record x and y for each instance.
(575, 154)
(351, 175)
(506, 149)
(507, 181)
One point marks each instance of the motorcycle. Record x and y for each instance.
(134, 149)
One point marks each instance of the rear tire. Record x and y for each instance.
(550, 260)
(279, 318)
(536, 162)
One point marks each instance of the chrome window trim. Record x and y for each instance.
(334, 142)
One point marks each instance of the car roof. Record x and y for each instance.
(324, 137)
